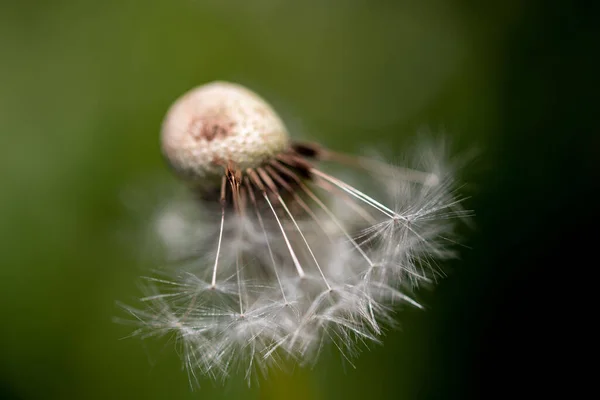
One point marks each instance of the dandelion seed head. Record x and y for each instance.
(217, 123)
(275, 259)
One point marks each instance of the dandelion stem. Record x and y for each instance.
(239, 281)
(287, 242)
(304, 239)
(356, 193)
(316, 199)
(293, 193)
(352, 204)
(269, 182)
(232, 175)
(375, 166)
(259, 184)
(262, 225)
(223, 197)
(335, 220)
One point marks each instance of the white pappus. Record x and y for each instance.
(278, 258)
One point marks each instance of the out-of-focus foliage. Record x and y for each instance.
(84, 87)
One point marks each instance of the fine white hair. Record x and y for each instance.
(283, 258)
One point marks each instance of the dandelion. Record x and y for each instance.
(287, 258)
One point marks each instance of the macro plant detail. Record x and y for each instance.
(278, 258)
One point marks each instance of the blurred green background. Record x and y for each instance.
(84, 86)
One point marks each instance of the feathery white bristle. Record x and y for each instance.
(287, 266)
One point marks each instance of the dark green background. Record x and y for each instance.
(83, 89)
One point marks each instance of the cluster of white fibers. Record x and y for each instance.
(279, 259)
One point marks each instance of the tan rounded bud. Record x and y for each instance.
(220, 123)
